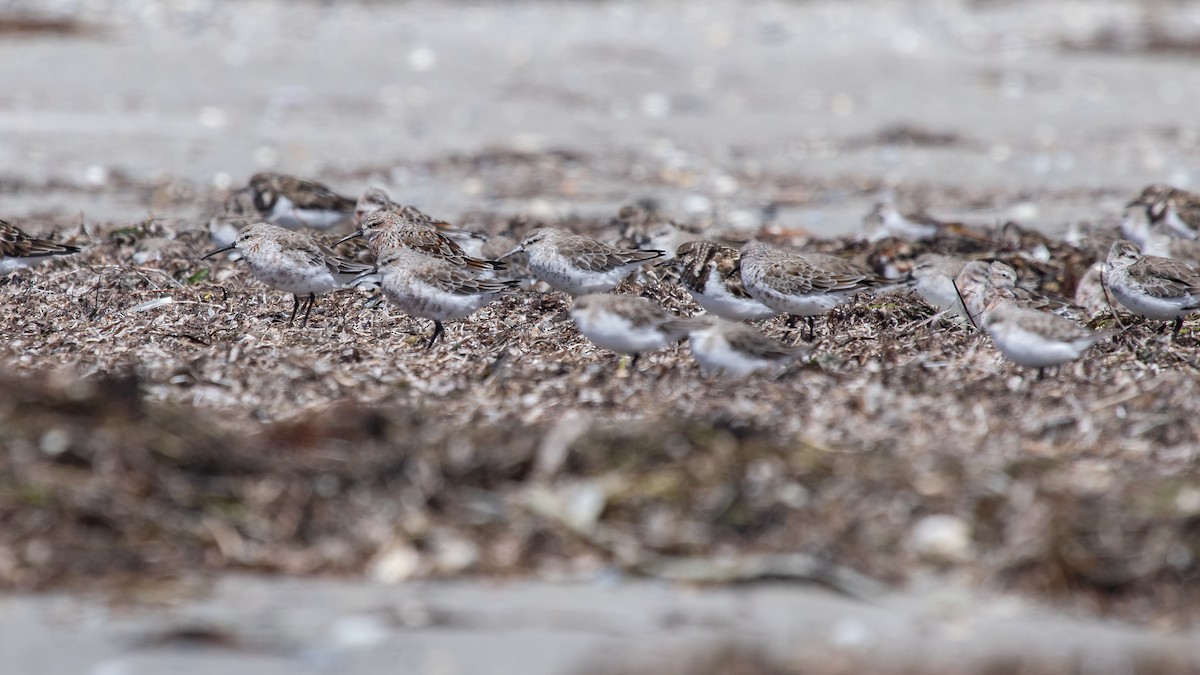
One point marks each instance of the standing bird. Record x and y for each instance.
(372, 199)
(644, 226)
(294, 203)
(19, 250)
(802, 284)
(1162, 241)
(1162, 204)
(935, 275)
(407, 227)
(1033, 338)
(579, 265)
(376, 199)
(973, 284)
(712, 274)
(737, 349)
(292, 262)
(1152, 287)
(628, 324)
(885, 221)
(435, 288)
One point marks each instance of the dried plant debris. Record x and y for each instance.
(740, 660)
(1151, 35)
(160, 418)
(22, 24)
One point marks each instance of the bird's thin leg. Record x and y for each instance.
(312, 299)
(633, 363)
(437, 332)
(1041, 374)
(295, 306)
(791, 324)
(811, 322)
(1178, 327)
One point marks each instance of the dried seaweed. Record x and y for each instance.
(160, 418)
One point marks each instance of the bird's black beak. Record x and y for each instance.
(356, 233)
(1136, 202)
(220, 250)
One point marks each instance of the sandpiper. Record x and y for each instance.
(1034, 338)
(1151, 286)
(802, 284)
(19, 250)
(712, 274)
(935, 276)
(372, 199)
(627, 324)
(737, 349)
(294, 203)
(978, 281)
(407, 227)
(973, 284)
(292, 262)
(885, 221)
(579, 265)
(435, 288)
(645, 227)
(376, 199)
(1164, 242)
(1177, 209)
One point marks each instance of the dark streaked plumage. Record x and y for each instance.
(18, 249)
(712, 274)
(1170, 206)
(293, 202)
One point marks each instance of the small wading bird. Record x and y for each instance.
(406, 227)
(628, 324)
(1034, 338)
(292, 262)
(737, 349)
(19, 250)
(579, 265)
(935, 275)
(802, 284)
(434, 288)
(294, 203)
(376, 199)
(712, 274)
(1155, 288)
(1160, 204)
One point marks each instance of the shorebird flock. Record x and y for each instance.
(279, 226)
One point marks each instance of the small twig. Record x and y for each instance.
(970, 317)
